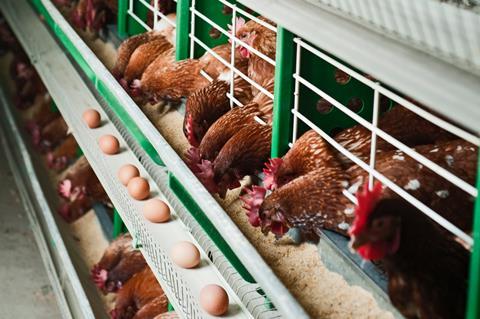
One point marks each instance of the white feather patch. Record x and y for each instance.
(413, 184)
(442, 193)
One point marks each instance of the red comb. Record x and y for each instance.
(206, 176)
(192, 159)
(252, 201)
(189, 130)
(65, 188)
(367, 199)
(99, 276)
(270, 172)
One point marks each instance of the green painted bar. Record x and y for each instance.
(118, 225)
(122, 18)
(283, 92)
(473, 309)
(183, 29)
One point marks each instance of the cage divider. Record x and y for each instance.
(183, 29)
(122, 18)
(283, 92)
(473, 306)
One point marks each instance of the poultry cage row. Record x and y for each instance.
(327, 94)
(313, 90)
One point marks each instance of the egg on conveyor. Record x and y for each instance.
(156, 211)
(214, 300)
(138, 188)
(92, 118)
(127, 172)
(185, 255)
(109, 144)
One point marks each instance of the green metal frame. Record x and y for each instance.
(182, 29)
(283, 92)
(207, 225)
(473, 307)
(320, 74)
(118, 224)
(122, 18)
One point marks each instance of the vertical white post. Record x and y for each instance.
(373, 141)
(192, 30)
(296, 93)
(232, 54)
(130, 7)
(155, 16)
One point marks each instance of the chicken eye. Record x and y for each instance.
(378, 223)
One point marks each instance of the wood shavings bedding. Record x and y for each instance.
(323, 294)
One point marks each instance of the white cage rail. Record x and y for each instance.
(235, 41)
(376, 132)
(156, 13)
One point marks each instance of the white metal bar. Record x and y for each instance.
(373, 143)
(350, 196)
(233, 38)
(407, 150)
(157, 13)
(155, 10)
(259, 120)
(237, 71)
(192, 30)
(407, 104)
(232, 52)
(387, 182)
(250, 16)
(206, 75)
(143, 24)
(296, 93)
(234, 100)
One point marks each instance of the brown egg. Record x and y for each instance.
(92, 118)
(109, 144)
(138, 188)
(185, 254)
(214, 300)
(156, 211)
(126, 173)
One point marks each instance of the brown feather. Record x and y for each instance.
(141, 295)
(143, 56)
(224, 128)
(402, 124)
(457, 156)
(126, 49)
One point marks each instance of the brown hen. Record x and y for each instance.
(64, 154)
(52, 134)
(79, 182)
(172, 81)
(327, 207)
(427, 270)
(119, 263)
(263, 40)
(140, 298)
(400, 123)
(234, 145)
(207, 104)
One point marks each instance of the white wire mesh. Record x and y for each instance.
(376, 132)
(235, 41)
(154, 10)
(447, 31)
